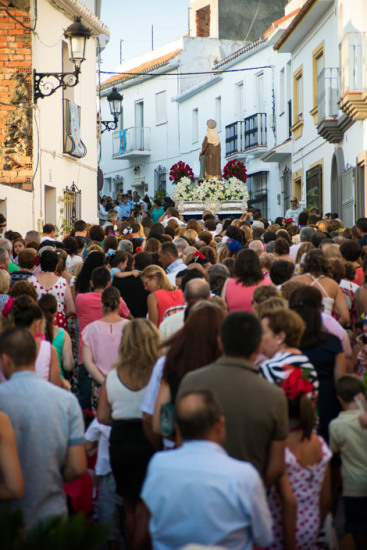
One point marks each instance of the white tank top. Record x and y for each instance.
(125, 403)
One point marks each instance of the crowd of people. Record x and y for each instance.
(187, 382)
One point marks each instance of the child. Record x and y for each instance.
(108, 502)
(300, 502)
(348, 438)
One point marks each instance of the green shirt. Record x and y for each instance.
(348, 438)
(12, 267)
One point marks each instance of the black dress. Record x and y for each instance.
(322, 357)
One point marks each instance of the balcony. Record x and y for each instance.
(235, 138)
(131, 143)
(353, 77)
(331, 122)
(247, 136)
(256, 132)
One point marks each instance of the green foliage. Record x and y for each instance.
(74, 533)
(159, 194)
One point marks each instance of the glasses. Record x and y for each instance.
(292, 201)
(2, 225)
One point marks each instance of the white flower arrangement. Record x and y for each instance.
(212, 189)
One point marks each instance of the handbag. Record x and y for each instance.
(167, 419)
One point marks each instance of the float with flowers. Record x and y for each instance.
(226, 195)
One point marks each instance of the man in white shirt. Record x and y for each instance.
(172, 214)
(294, 211)
(197, 493)
(102, 210)
(168, 256)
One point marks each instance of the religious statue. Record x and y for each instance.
(210, 153)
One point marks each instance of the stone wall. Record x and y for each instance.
(236, 17)
(16, 164)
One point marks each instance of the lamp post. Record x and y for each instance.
(115, 102)
(46, 84)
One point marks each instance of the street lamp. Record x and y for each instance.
(46, 84)
(115, 102)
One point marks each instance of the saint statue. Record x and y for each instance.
(210, 153)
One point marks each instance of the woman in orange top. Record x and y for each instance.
(162, 293)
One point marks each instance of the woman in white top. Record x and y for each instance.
(120, 402)
(316, 272)
(101, 341)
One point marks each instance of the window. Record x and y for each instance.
(238, 99)
(298, 103)
(161, 108)
(297, 184)
(257, 187)
(218, 113)
(317, 67)
(281, 91)
(73, 143)
(73, 202)
(160, 180)
(195, 125)
(259, 92)
(314, 187)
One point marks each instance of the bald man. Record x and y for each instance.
(256, 246)
(197, 492)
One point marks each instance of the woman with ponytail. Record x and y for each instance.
(101, 341)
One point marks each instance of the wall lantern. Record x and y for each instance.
(45, 84)
(115, 102)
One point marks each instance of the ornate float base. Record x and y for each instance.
(215, 206)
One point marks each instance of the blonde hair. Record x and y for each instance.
(4, 281)
(332, 251)
(139, 350)
(155, 271)
(270, 306)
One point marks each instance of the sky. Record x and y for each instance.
(131, 21)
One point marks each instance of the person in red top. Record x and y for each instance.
(88, 309)
(163, 294)
(351, 252)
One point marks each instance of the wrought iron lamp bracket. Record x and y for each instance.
(46, 84)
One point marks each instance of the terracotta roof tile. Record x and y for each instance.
(278, 22)
(144, 67)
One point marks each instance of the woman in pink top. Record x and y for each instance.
(25, 312)
(101, 341)
(238, 292)
(162, 293)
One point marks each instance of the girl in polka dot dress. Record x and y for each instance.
(47, 282)
(307, 478)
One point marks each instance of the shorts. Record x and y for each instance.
(355, 514)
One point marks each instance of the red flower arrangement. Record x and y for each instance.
(295, 385)
(180, 170)
(235, 168)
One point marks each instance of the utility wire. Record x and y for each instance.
(5, 8)
(216, 72)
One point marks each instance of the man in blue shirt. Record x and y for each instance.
(197, 493)
(48, 426)
(125, 208)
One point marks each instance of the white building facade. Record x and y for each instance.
(328, 107)
(171, 93)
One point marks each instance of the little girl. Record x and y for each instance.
(300, 502)
(117, 262)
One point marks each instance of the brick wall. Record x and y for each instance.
(203, 22)
(16, 164)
